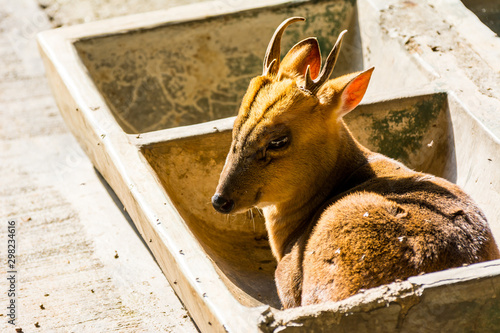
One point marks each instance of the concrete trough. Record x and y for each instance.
(151, 99)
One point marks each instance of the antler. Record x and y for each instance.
(314, 85)
(272, 57)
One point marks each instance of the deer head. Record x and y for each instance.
(288, 132)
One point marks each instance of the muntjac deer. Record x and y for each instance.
(340, 218)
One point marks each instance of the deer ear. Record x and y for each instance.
(353, 91)
(305, 53)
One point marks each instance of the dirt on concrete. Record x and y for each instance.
(69, 12)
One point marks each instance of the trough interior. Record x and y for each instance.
(416, 130)
(185, 73)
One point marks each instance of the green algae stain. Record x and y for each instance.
(402, 131)
(248, 64)
(324, 21)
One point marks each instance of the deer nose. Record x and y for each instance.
(221, 204)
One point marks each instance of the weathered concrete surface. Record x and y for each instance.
(449, 301)
(445, 44)
(64, 12)
(82, 267)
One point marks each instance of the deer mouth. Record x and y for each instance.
(258, 195)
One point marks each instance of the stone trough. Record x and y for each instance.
(151, 99)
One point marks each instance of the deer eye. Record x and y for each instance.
(278, 143)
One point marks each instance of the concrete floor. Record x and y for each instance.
(81, 265)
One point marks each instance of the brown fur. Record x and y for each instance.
(340, 218)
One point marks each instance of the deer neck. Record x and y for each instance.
(287, 221)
